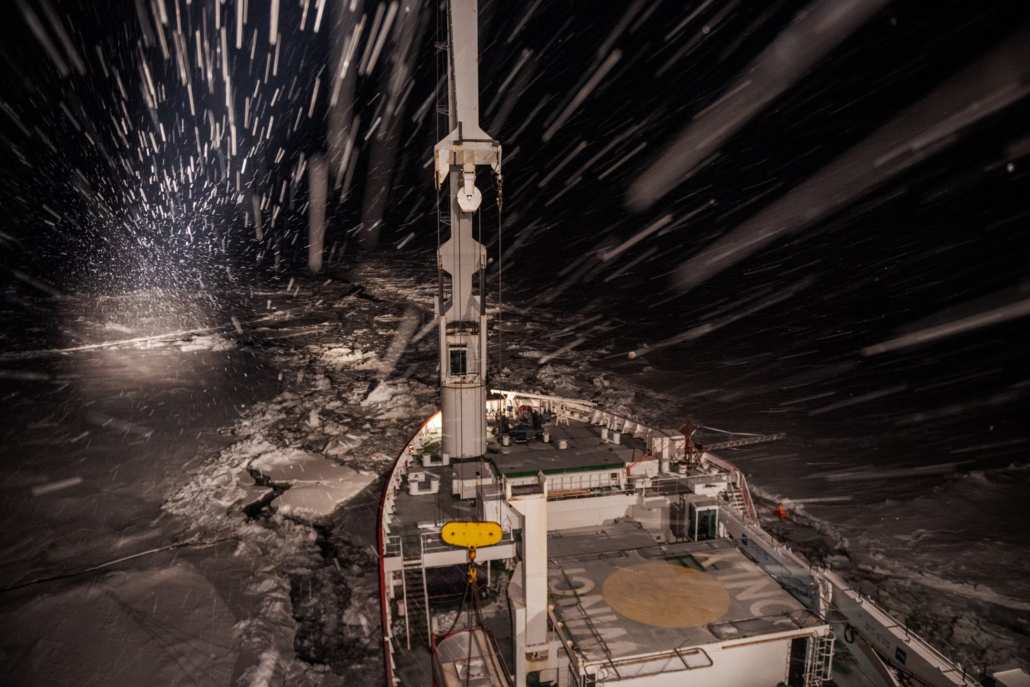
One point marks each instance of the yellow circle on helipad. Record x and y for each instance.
(666, 595)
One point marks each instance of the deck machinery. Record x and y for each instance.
(626, 555)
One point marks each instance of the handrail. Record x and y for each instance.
(742, 485)
(542, 397)
(381, 542)
(888, 622)
(910, 636)
(432, 542)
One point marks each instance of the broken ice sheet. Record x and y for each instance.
(318, 501)
(317, 485)
(252, 492)
(345, 443)
(293, 466)
(339, 357)
(396, 400)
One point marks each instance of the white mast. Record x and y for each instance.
(463, 316)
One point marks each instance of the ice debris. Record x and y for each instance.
(317, 485)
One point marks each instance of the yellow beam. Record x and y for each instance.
(471, 535)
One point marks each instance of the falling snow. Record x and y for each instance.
(217, 243)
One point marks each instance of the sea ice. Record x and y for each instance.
(211, 342)
(293, 466)
(340, 357)
(317, 485)
(321, 499)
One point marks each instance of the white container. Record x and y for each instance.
(604, 434)
(446, 459)
(506, 440)
(616, 437)
(547, 437)
(427, 459)
(563, 443)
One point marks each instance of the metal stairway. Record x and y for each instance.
(415, 605)
(735, 498)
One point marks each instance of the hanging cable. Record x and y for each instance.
(500, 275)
(457, 616)
(439, 237)
(439, 220)
(468, 665)
(484, 357)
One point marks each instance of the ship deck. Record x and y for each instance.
(414, 514)
(620, 593)
(585, 451)
(623, 596)
(423, 512)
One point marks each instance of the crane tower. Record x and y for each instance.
(462, 310)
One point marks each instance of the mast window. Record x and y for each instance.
(459, 361)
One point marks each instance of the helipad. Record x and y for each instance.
(619, 593)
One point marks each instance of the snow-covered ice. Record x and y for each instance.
(318, 501)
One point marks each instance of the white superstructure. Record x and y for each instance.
(628, 559)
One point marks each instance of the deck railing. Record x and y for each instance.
(386, 506)
(432, 542)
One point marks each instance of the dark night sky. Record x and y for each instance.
(89, 208)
